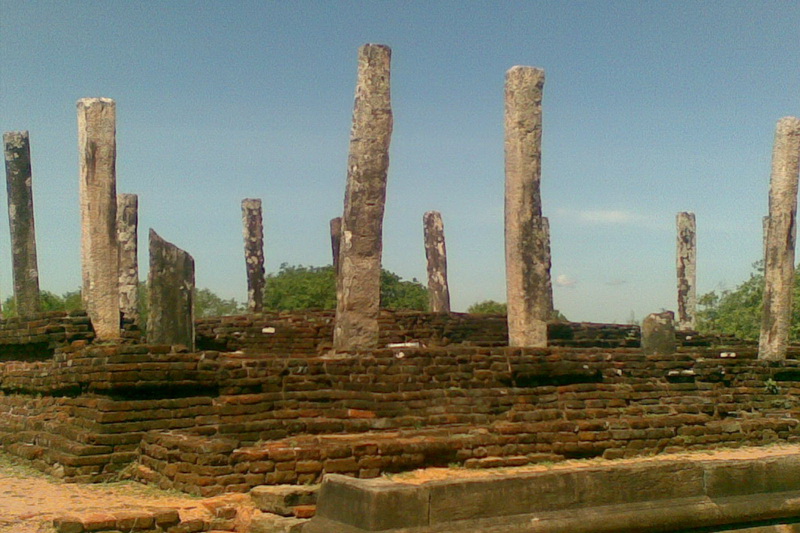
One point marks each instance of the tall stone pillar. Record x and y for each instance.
(781, 231)
(128, 239)
(686, 262)
(97, 152)
(336, 239)
(253, 229)
(21, 223)
(436, 254)
(359, 280)
(171, 289)
(528, 285)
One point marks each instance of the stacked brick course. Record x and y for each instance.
(216, 421)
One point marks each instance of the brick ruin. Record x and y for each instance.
(226, 404)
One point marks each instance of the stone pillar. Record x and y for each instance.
(336, 238)
(781, 231)
(686, 262)
(98, 196)
(128, 239)
(359, 281)
(171, 289)
(528, 285)
(21, 223)
(658, 334)
(253, 229)
(436, 254)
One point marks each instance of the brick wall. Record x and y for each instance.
(304, 333)
(208, 422)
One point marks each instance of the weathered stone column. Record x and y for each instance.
(171, 289)
(359, 281)
(436, 254)
(686, 262)
(128, 239)
(20, 221)
(97, 151)
(253, 229)
(781, 231)
(528, 286)
(336, 239)
(658, 334)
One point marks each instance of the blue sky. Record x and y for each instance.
(650, 108)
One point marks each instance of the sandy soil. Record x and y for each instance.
(417, 477)
(29, 500)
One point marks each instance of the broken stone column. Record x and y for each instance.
(658, 334)
(336, 237)
(687, 271)
(98, 197)
(358, 288)
(20, 221)
(436, 254)
(127, 237)
(253, 228)
(171, 288)
(528, 285)
(781, 231)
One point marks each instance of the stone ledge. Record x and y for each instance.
(670, 495)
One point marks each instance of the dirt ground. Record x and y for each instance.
(29, 500)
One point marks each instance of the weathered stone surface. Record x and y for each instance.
(686, 260)
(97, 152)
(253, 230)
(128, 239)
(436, 254)
(658, 334)
(358, 283)
(280, 499)
(781, 232)
(528, 286)
(171, 290)
(336, 238)
(21, 221)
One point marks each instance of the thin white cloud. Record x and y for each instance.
(562, 280)
(616, 282)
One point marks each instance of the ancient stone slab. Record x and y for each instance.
(253, 230)
(358, 283)
(128, 239)
(97, 153)
(528, 286)
(336, 238)
(280, 499)
(21, 221)
(436, 254)
(781, 233)
(686, 262)
(658, 334)
(171, 289)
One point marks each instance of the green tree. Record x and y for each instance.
(737, 312)
(302, 287)
(206, 303)
(487, 307)
(48, 301)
